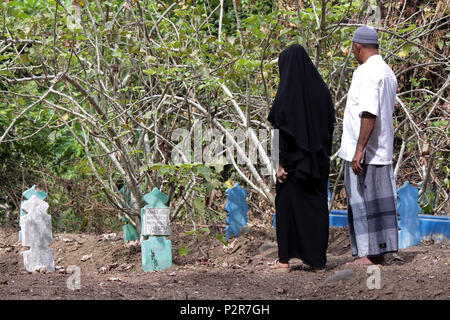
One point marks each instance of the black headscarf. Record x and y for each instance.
(303, 108)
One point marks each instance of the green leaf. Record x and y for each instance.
(427, 209)
(222, 239)
(4, 57)
(191, 232)
(163, 171)
(185, 165)
(183, 251)
(285, 31)
(209, 187)
(6, 73)
(218, 167)
(149, 72)
(134, 48)
(116, 53)
(125, 126)
(150, 59)
(72, 24)
(155, 166)
(204, 171)
(447, 183)
(199, 204)
(205, 229)
(441, 123)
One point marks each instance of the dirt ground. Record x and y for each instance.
(110, 269)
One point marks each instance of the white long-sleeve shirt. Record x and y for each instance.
(372, 90)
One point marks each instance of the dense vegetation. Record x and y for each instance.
(92, 94)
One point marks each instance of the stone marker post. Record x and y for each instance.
(129, 231)
(236, 208)
(408, 220)
(27, 195)
(155, 248)
(37, 234)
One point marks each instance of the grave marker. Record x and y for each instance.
(408, 221)
(37, 234)
(128, 230)
(236, 208)
(27, 194)
(156, 250)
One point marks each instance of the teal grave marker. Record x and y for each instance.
(128, 230)
(27, 194)
(156, 250)
(236, 208)
(408, 216)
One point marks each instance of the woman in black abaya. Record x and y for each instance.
(304, 114)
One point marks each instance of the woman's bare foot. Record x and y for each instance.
(281, 267)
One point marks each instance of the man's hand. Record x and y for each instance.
(367, 125)
(281, 174)
(356, 162)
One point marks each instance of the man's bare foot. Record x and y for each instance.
(366, 261)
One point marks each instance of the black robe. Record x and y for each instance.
(304, 114)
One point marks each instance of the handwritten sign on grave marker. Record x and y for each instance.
(156, 222)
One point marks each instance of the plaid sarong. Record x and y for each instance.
(372, 214)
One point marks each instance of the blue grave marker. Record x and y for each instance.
(408, 221)
(156, 250)
(128, 230)
(236, 208)
(27, 194)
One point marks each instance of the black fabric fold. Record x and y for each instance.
(303, 111)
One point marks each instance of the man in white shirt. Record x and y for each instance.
(366, 148)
